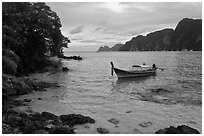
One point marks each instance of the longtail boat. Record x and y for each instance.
(142, 71)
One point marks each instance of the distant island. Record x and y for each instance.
(186, 36)
(114, 48)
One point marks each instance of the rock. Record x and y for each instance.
(137, 131)
(6, 129)
(4, 96)
(9, 91)
(114, 121)
(41, 132)
(183, 129)
(56, 122)
(145, 124)
(37, 117)
(27, 100)
(75, 119)
(65, 69)
(128, 111)
(39, 98)
(160, 91)
(103, 131)
(28, 126)
(71, 57)
(48, 115)
(41, 86)
(61, 130)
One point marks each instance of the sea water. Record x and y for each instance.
(89, 88)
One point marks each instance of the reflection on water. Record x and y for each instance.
(120, 81)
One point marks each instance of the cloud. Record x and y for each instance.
(91, 41)
(76, 39)
(114, 6)
(94, 23)
(77, 30)
(97, 28)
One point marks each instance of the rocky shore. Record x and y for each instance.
(71, 57)
(33, 122)
(30, 122)
(41, 123)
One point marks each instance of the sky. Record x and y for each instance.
(90, 25)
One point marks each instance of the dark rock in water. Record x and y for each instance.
(48, 115)
(72, 57)
(65, 69)
(103, 131)
(61, 130)
(27, 100)
(76, 119)
(41, 86)
(183, 129)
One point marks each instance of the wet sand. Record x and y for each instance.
(133, 117)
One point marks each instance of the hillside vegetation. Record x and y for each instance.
(186, 36)
(30, 35)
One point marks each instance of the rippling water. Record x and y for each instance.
(88, 88)
(182, 76)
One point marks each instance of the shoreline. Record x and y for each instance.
(129, 120)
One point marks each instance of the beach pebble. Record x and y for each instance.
(102, 130)
(145, 124)
(86, 126)
(192, 122)
(65, 69)
(114, 121)
(128, 111)
(61, 130)
(137, 131)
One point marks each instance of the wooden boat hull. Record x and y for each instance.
(128, 74)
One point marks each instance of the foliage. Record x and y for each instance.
(31, 31)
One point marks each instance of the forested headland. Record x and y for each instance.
(30, 35)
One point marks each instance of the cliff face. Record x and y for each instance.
(187, 35)
(156, 41)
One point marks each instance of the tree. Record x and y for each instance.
(31, 31)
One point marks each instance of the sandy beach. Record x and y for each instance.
(133, 117)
